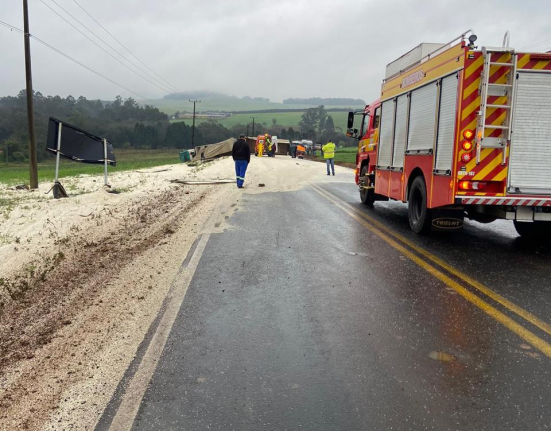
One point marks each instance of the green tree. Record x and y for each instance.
(178, 135)
(328, 131)
(211, 132)
(291, 134)
(312, 122)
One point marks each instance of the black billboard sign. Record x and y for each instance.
(77, 144)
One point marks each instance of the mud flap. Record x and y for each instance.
(447, 219)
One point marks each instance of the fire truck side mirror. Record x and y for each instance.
(352, 133)
(350, 120)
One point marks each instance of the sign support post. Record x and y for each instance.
(105, 183)
(57, 153)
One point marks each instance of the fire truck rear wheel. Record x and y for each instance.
(420, 217)
(367, 196)
(537, 230)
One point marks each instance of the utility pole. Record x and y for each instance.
(253, 124)
(247, 130)
(193, 126)
(30, 102)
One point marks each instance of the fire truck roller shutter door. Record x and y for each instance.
(385, 135)
(446, 123)
(422, 118)
(530, 143)
(400, 131)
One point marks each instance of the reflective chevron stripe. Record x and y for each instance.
(529, 202)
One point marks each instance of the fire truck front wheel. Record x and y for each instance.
(536, 230)
(420, 217)
(367, 196)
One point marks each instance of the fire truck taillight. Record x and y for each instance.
(472, 185)
(466, 157)
(467, 145)
(468, 134)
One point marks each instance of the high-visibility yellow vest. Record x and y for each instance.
(328, 150)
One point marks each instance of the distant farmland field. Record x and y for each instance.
(228, 104)
(285, 119)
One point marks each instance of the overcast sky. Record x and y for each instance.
(269, 48)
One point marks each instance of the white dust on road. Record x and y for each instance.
(66, 382)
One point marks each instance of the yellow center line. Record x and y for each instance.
(383, 232)
(474, 283)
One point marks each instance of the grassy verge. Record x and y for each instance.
(343, 157)
(18, 173)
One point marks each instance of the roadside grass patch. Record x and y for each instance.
(127, 159)
(6, 239)
(343, 156)
(7, 205)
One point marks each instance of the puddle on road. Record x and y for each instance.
(442, 356)
(526, 350)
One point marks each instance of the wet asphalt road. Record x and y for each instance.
(301, 318)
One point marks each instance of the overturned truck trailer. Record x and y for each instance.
(212, 151)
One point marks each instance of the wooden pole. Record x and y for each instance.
(193, 126)
(30, 102)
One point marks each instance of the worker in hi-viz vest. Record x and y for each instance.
(268, 145)
(260, 147)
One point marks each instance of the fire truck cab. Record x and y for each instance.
(460, 131)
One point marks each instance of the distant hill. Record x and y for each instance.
(211, 95)
(213, 101)
(327, 101)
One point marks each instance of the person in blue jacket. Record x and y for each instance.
(241, 154)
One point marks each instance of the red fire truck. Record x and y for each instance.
(261, 140)
(461, 131)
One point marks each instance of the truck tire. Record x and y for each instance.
(420, 217)
(367, 196)
(537, 230)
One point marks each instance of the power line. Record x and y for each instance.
(113, 49)
(100, 47)
(127, 50)
(88, 68)
(543, 42)
(11, 27)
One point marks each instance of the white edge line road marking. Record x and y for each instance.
(135, 390)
